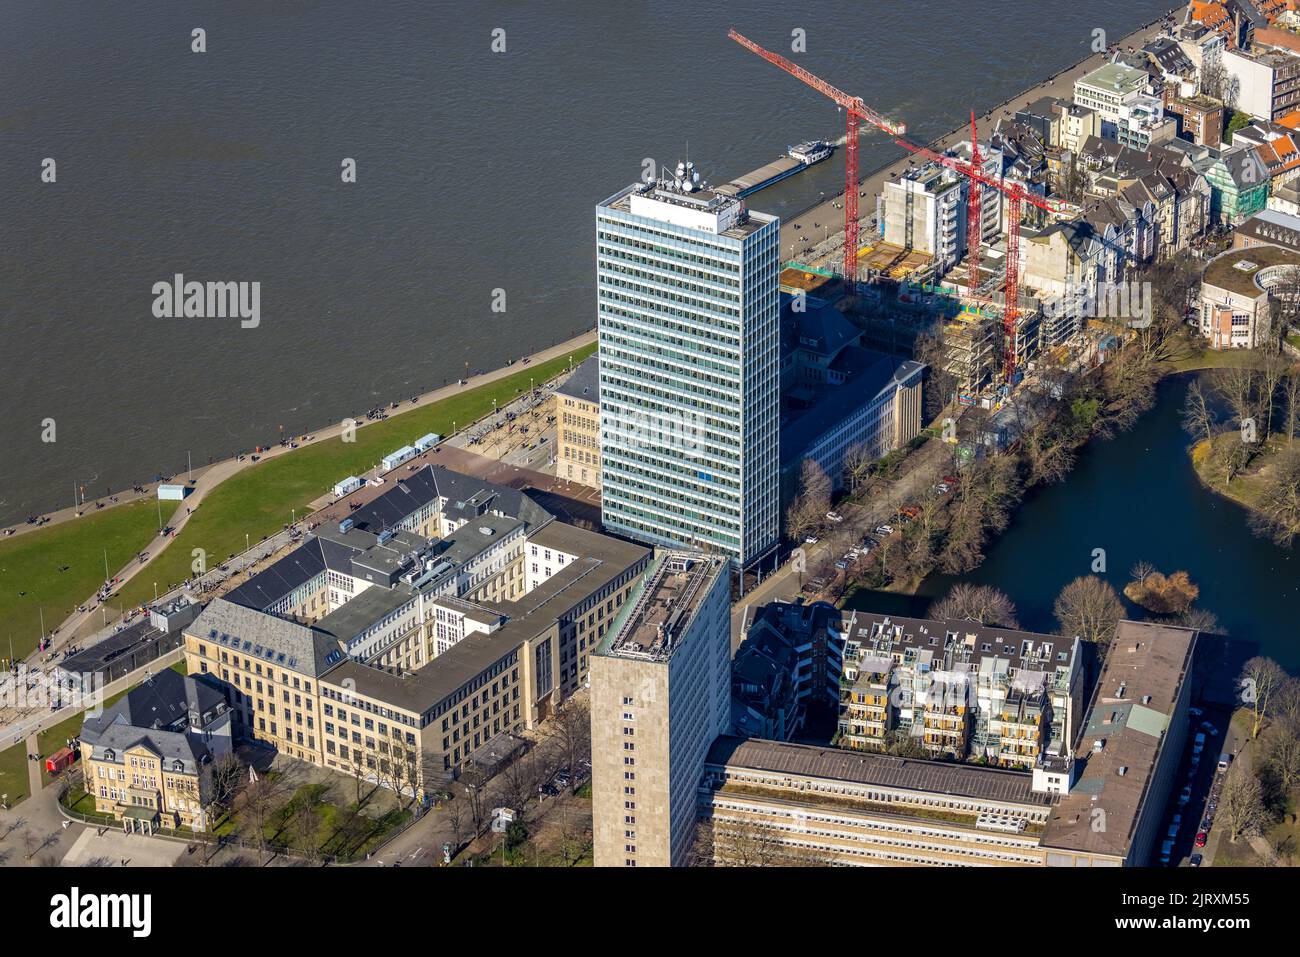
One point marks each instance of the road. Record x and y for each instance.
(919, 471)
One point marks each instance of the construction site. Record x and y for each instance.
(940, 257)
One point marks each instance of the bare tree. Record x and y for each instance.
(571, 731)
(857, 464)
(260, 798)
(1284, 758)
(1089, 608)
(808, 508)
(1285, 707)
(1241, 805)
(745, 843)
(1141, 571)
(473, 788)
(224, 775)
(1276, 515)
(1261, 679)
(982, 603)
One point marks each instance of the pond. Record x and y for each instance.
(1137, 497)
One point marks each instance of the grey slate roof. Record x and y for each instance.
(274, 640)
(584, 383)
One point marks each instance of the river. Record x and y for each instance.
(1137, 497)
(476, 172)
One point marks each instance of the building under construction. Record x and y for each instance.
(970, 352)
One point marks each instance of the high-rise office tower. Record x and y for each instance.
(688, 305)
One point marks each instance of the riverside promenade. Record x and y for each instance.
(85, 621)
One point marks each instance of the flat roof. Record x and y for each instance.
(1235, 270)
(883, 770)
(664, 607)
(1132, 707)
(1115, 77)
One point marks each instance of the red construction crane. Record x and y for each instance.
(1016, 194)
(974, 226)
(854, 110)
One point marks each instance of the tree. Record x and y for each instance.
(1239, 119)
(225, 774)
(1199, 417)
(472, 783)
(1163, 594)
(1286, 707)
(1141, 571)
(570, 728)
(808, 509)
(260, 798)
(1284, 759)
(1241, 805)
(1089, 608)
(982, 603)
(1200, 619)
(1261, 678)
(1276, 515)
(857, 464)
(743, 843)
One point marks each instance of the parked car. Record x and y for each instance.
(1224, 762)
(1195, 860)
(1209, 728)
(884, 529)
(1195, 712)
(834, 517)
(1198, 744)
(842, 565)
(1166, 850)
(811, 540)
(1184, 796)
(1201, 838)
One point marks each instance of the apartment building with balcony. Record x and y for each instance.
(925, 210)
(958, 689)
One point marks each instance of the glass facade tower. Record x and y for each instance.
(688, 322)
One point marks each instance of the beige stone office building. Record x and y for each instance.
(577, 426)
(661, 692)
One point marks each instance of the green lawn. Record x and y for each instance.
(59, 567)
(258, 501)
(13, 773)
(1212, 359)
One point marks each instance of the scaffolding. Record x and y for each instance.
(970, 351)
